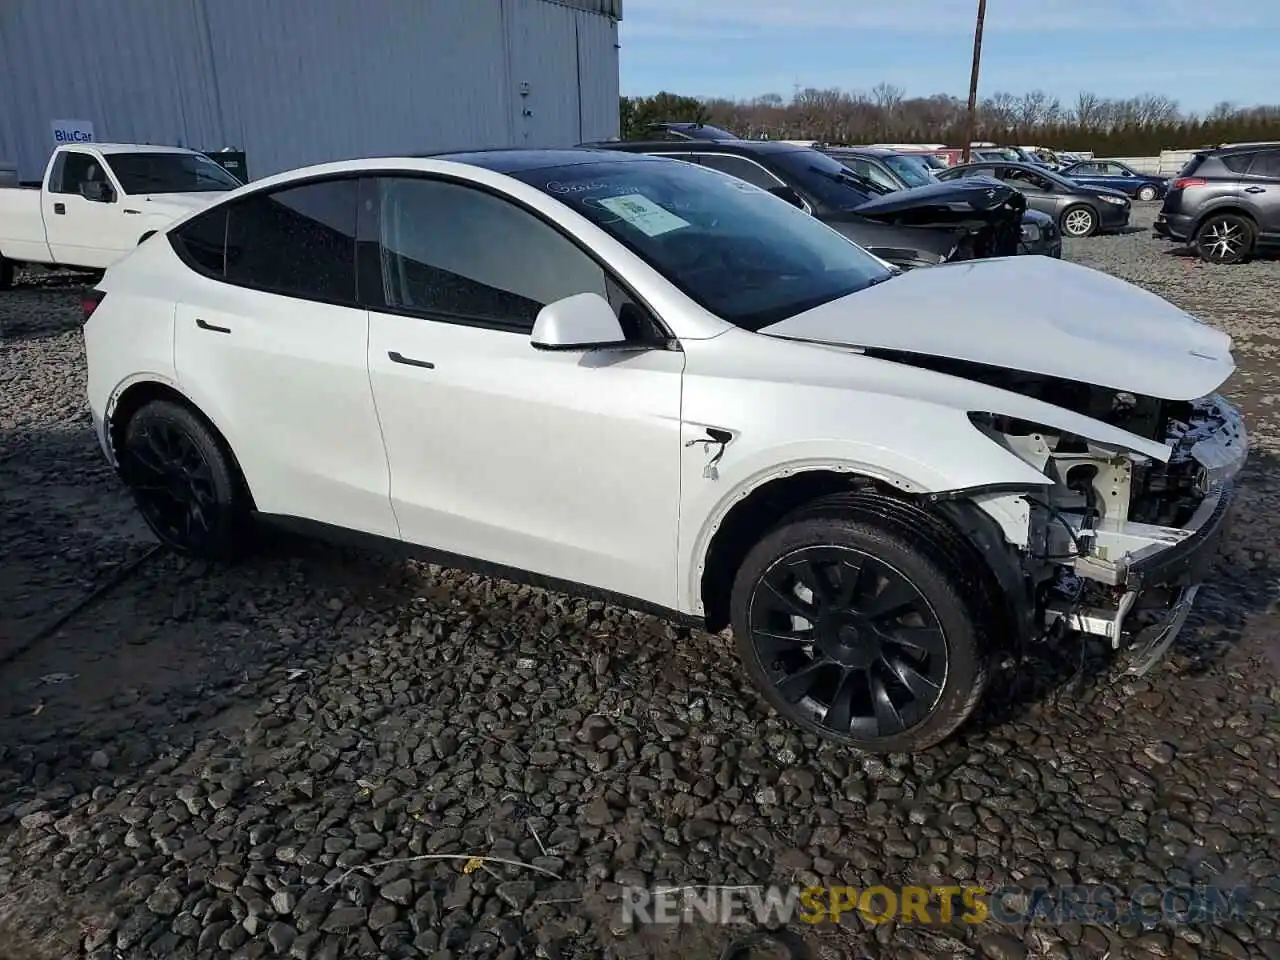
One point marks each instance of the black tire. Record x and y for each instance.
(1079, 225)
(1225, 238)
(6, 274)
(185, 481)
(852, 657)
(1148, 193)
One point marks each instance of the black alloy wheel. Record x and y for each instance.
(852, 636)
(866, 633)
(183, 481)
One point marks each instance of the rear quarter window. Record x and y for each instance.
(202, 241)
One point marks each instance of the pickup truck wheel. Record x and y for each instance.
(6, 274)
(184, 481)
(1225, 238)
(1079, 221)
(1148, 193)
(866, 633)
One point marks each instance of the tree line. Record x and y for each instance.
(1137, 126)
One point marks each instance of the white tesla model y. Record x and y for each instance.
(649, 380)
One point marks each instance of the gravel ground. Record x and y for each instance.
(218, 762)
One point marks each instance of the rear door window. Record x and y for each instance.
(1238, 162)
(298, 241)
(1266, 164)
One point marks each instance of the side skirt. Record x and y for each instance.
(342, 536)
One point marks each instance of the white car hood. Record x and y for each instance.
(175, 204)
(1033, 314)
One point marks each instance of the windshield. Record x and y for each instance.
(170, 173)
(826, 178)
(740, 252)
(913, 170)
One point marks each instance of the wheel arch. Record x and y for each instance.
(141, 392)
(761, 507)
(1228, 207)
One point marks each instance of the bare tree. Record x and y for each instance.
(1088, 109)
(1115, 127)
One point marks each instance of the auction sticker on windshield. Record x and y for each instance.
(643, 214)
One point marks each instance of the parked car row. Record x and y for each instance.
(912, 227)
(662, 383)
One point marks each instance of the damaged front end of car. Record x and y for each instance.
(1119, 541)
(987, 218)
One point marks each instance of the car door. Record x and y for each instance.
(83, 232)
(1036, 189)
(272, 343)
(1260, 186)
(565, 464)
(1087, 174)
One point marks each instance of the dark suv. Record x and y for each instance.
(1225, 203)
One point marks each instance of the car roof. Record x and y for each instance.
(723, 146)
(862, 151)
(1242, 148)
(107, 149)
(520, 159)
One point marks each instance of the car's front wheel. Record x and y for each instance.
(863, 628)
(1079, 221)
(6, 274)
(1225, 238)
(1148, 193)
(184, 481)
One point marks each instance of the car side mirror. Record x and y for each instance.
(97, 191)
(585, 321)
(784, 192)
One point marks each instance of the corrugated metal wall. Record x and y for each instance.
(295, 84)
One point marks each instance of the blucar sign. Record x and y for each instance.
(72, 131)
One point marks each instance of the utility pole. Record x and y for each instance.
(971, 123)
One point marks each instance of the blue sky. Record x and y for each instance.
(1115, 48)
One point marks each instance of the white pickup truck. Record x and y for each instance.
(98, 201)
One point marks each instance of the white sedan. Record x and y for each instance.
(648, 380)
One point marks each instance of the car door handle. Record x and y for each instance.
(127, 210)
(409, 361)
(211, 327)
(59, 208)
(1255, 189)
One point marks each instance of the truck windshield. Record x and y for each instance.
(170, 173)
(745, 255)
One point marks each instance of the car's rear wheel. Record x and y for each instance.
(184, 481)
(6, 274)
(1148, 193)
(1224, 238)
(1079, 221)
(864, 629)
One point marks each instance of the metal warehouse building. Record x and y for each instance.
(293, 82)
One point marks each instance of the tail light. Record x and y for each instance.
(90, 301)
(1183, 182)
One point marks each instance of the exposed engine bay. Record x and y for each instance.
(1118, 543)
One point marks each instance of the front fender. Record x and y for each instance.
(965, 458)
